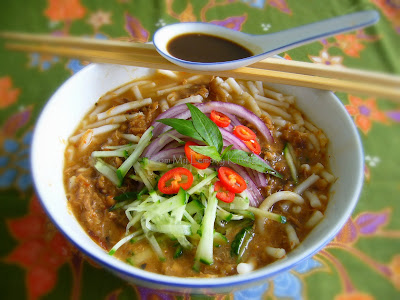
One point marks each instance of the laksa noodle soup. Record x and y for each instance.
(197, 176)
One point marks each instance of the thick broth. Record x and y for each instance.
(90, 194)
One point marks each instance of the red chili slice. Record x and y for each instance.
(244, 133)
(222, 193)
(220, 119)
(254, 146)
(231, 180)
(197, 160)
(174, 179)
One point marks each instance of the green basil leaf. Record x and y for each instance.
(206, 128)
(209, 151)
(184, 127)
(249, 160)
(226, 150)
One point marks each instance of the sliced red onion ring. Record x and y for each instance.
(259, 178)
(225, 108)
(169, 113)
(160, 142)
(255, 197)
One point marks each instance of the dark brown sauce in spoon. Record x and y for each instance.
(198, 47)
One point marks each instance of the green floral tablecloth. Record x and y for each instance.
(361, 263)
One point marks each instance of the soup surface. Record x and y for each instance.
(254, 201)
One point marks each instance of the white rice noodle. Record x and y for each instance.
(194, 78)
(323, 197)
(243, 87)
(260, 88)
(164, 105)
(168, 73)
(113, 120)
(123, 89)
(218, 80)
(191, 99)
(327, 176)
(296, 209)
(313, 198)
(225, 93)
(272, 199)
(295, 127)
(305, 167)
(314, 141)
(69, 153)
(252, 88)
(318, 167)
(306, 184)
(226, 86)
(323, 140)
(252, 104)
(279, 196)
(271, 101)
(71, 182)
(234, 86)
(310, 126)
(289, 99)
(292, 236)
(297, 117)
(278, 121)
(272, 94)
(85, 139)
(275, 110)
(98, 108)
(244, 268)
(148, 85)
(172, 97)
(130, 137)
(137, 93)
(275, 252)
(315, 218)
(172, 89)
(93, 132)
(265, 114)
(116, 110)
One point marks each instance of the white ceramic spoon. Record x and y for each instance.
(262, 46)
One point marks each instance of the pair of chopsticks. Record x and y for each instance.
(272, 70)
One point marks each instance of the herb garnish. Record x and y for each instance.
(201, 128)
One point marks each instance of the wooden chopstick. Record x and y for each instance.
(273, 70)
(338, 72)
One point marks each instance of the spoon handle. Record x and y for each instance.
(291, 38)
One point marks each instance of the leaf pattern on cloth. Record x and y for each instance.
(369, 223)
(391, 9)
(41, 250)
(365, 112)
(65, 10)
(8, 94)
(234, 23)
(135, 29)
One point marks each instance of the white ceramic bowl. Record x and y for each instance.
(76, 96)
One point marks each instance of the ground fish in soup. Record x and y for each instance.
(197, 176)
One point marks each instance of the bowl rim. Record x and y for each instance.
(197, 282)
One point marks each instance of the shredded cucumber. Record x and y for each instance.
(107, 170)
(204, 252)
(291, 158)
(132, 159)
(207, 179)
